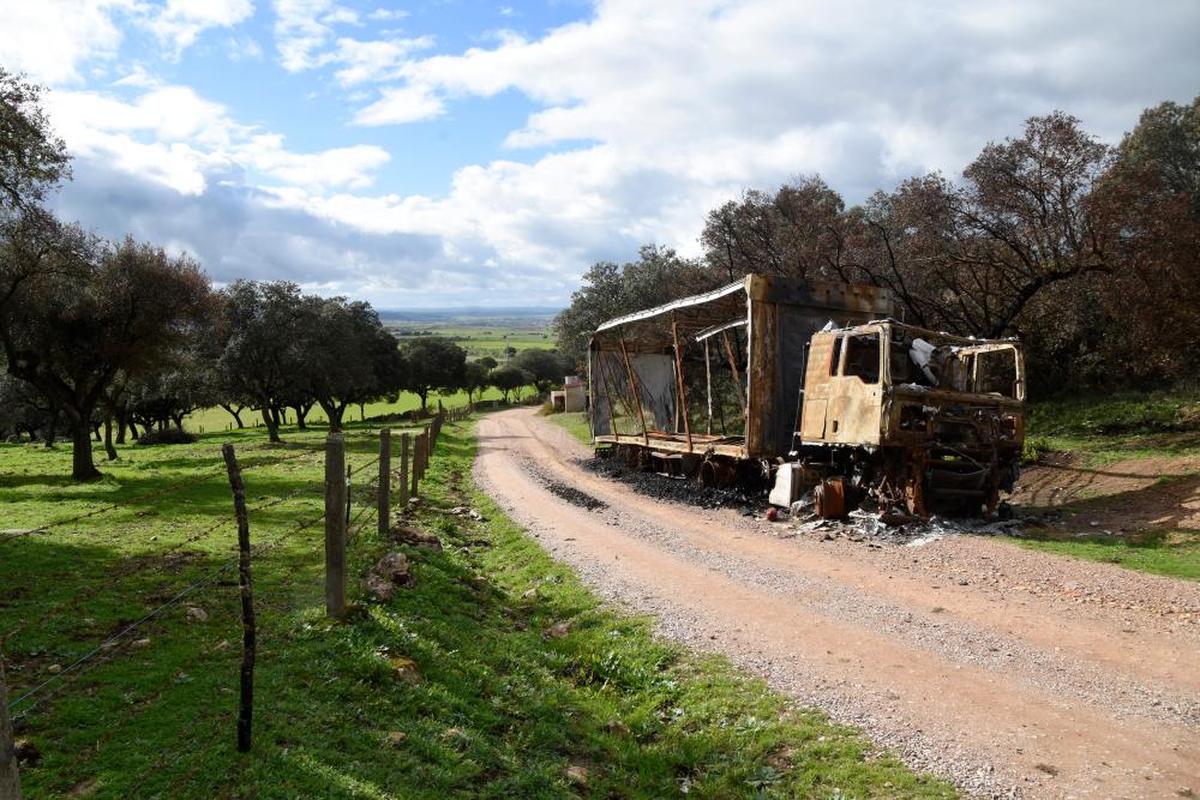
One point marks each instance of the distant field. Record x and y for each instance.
(479, 336)
(217, 419)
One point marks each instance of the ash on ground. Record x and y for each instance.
(862, 525)
(679, 490)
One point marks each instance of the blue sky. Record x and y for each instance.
(464, 153)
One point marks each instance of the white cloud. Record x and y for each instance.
(374, 60)
(399, 105)
(180, 22)
(194, 139)
(303, 28)
(50, 39)
(387, 14)
(644, 115)
(244, 48)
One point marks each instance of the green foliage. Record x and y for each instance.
(545, 368)
(488, 703)
(166, 436)
(1126, 413)
(432, 363)
(610, 290)
(509, 379)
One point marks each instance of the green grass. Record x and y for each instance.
(575, 423)
(1099, 432)
(1110, 428)
(488, 703)
(1172, 553)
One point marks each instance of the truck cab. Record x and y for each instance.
(915, 416)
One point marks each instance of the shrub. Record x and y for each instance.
(167, 436)
(1034, 448)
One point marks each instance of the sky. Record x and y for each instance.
(445, 153)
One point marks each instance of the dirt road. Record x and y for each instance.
(1011, 672)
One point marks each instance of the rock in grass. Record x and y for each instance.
(577, 775)
(405, 669)
(391, 571)
(396, 738)
(416, 538)
(558, 630)
(197, 614)
(27, 753)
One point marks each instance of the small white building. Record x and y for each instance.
(571, 397)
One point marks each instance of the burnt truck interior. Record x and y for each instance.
(816, 385)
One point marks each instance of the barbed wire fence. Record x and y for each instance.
(343, 526)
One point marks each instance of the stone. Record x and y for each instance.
(416, 538)
(558, 630)
(197, 614)
(396, 738)
(391, 571)
(577, 775)
(405, 669)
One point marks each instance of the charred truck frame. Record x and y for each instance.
(815, 385)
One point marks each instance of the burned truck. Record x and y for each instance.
(814, 386)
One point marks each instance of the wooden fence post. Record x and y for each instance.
(10, 781)
(384, 491)
(335, 525)
(404, 437)
(249, 630)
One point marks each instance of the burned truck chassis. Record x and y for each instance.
(873, 423)
(897, 480)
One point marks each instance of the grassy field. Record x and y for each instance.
(575, 423)
(496, 675)
(1101, 432)
(218, 419)
(482, 339)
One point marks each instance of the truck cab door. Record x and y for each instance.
(824, 354)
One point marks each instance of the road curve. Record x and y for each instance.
(1011, 672)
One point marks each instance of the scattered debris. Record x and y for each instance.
(465, 511)
(679, 490)
(416, 538)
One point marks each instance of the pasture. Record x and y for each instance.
(497, 674)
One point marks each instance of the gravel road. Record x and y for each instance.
(1010, 672)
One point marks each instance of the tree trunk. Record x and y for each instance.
(83, 468)
(301, 415)
(333, 413)
(270, 422)
(109, 450)
(120, 419)
(237, 415)
(178, 419)
(423, 395)
(362, 412)
(52, 430)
